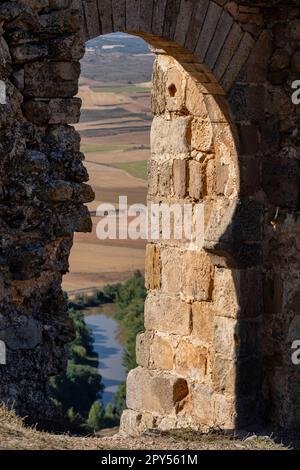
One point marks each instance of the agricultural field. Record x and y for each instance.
(115, 138)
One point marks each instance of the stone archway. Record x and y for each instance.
(226, 362)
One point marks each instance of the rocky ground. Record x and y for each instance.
(14, 435)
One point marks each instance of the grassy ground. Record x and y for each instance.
(15, 436)
(136, 169)
(86, 148)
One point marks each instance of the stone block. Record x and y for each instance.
(180, 177)
(195, 26)
(162, 353)
(202, 401)
(225, 413)
(202, 135)
(191, 360)
(195, 179)
(156, 392)
(197, 276)
(51, 79)
(168, 314)
(55, 111)
(143, 345)
(175, 89)
(171, 273)
(194, 99)
(223, 27)
(153, 267)
(153, 177)
(224, 375)
(29, 52)
(133, 423)
(225, 337)
(228, 50)
(208, 30)
(203, 314)
(238, 60)
(170, 138)
(165, 179)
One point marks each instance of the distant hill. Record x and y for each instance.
(117, 58)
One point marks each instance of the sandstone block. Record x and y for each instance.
(55, 111)
(156, 392)
(194, 100)
(51, 79)
(224, 375)
(202, 135)
(162, 353)
(191, 360)
(180, 177)
(197, 276)
(202, 401)
(143, 345)
(171, 274)
(167, 314)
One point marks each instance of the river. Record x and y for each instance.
(110, 351)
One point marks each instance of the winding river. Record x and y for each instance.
(110, 351)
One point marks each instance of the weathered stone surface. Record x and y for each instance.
(55, 111)
(196, 183)
(202, 135)
(180, 177)
(178, 146)
(197, 277)
(162, 353)
(153, 267)
(191, 360)
(158, 393)
(230, 330)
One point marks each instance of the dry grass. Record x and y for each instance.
(14, 435)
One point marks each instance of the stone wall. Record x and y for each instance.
(219, 319)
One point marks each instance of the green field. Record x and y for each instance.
(122, 89)
(136, 169)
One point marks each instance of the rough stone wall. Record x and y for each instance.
(41, 194)
(219, 321)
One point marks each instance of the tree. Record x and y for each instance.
(96, 415)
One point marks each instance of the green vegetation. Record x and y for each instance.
(122, 89)
(136, 169)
